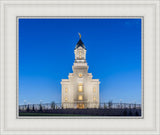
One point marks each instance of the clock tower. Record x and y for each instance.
(80, 52)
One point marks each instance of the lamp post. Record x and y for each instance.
(135, 104)
(24, 105)
(41, 101)
(121, 103)
(41, 105)
(24, 102)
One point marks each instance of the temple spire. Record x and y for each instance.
(79, 35)
(80, 43)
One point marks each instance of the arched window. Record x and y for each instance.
(94, 89)
(80, 54)
(66, 90)
(80, 87)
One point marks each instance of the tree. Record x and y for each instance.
(125, 112)
(28, 108)
(33, 108)
(105, 106)
(110, 104)
(135, 106)
(130, 113)
(41, 109)
(137, 114)
(53, 105)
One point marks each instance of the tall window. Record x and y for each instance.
(94, 89)
(66, 98)
(80, 97)
(94, 98)
(80, 54)
(80, 87)
(66, 90)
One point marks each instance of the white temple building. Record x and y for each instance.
(80, 90)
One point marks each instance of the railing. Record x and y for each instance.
(51, 106)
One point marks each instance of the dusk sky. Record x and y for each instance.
(46, 55)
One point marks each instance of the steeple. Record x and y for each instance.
(80, 51)
(80, 43)
(80, 89)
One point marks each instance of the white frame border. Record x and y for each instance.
(155, 130)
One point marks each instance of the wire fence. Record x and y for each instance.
(54, 106)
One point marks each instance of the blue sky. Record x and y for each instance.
(46, 55)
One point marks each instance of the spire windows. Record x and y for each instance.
(80, 51)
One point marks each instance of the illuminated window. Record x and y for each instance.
(94, 98)
(80, 97)
(80, 87)
(66, 98)
(80, 56)
(80, 75)
(94, 89)
(66, 90)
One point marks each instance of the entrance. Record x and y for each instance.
(80, 106)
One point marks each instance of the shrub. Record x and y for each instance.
(125, 113)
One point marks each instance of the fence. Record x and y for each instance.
(51, 106)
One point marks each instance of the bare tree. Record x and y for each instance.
(53, 105)
(110, 103)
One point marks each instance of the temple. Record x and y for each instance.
(80, 91)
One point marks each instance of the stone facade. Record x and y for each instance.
(80, 90)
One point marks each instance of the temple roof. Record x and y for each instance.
(80, 43)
